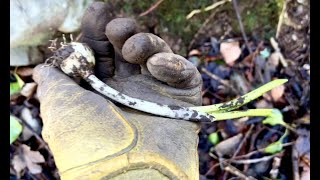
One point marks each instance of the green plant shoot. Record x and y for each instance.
(15, 129)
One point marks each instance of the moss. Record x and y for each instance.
(172, 15)
(262, 19)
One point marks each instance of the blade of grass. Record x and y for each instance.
(238, 102)
(238, 114)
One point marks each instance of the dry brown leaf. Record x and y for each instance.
(28, 159)
(228, 146)
(274, 59)
(24, 71)
(261, 104)
(28, 89)
(230, 51)
(26, 115)
(305, 174)
(18, 165)
(277, 92)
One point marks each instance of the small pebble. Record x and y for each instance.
(294, 37)
(306, 67)
(299, 10)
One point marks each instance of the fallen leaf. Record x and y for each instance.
(277, 92)
(24, 71)
(28, 89)
(15, 128)
(230, 51)
(26, 115)
(303, 142)
(274, 59)
(240, 83)
(228, 146)
(194, 52)
(29, 159)
(18, 165)
(15, 84)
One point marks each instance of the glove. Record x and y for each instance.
(92, 137)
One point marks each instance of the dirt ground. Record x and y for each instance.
(232, 63)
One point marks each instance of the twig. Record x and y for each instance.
(216, 96)
(275, 46)
(211, 169)
(258, 130)
(254, 55)
(240, 146)
(208, 8)
(243, 141)
(36, 135)
(259, 150)
(242, 159)
(280, 22)
(274, 172)
(217, 78)
(235, 6)
(252, 161)
(237, 172)
(78, 37)
(154, 6)
(202, 28)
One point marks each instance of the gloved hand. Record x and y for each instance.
(91, 137)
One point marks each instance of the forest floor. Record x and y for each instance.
(273, 44)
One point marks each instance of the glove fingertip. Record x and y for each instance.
(94, 21)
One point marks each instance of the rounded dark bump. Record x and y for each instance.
(94, 21)
(132, 103)
(139, 47)
(173, 107)
(194, 114)
(119, 30)
(174, 70)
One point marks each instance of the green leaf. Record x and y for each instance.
(15, 129)
(238, 102)
(213, 138)
(275, 118)
(274, 148)
(16, 86)
(265, 53)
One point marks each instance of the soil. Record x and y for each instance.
(204, 33)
